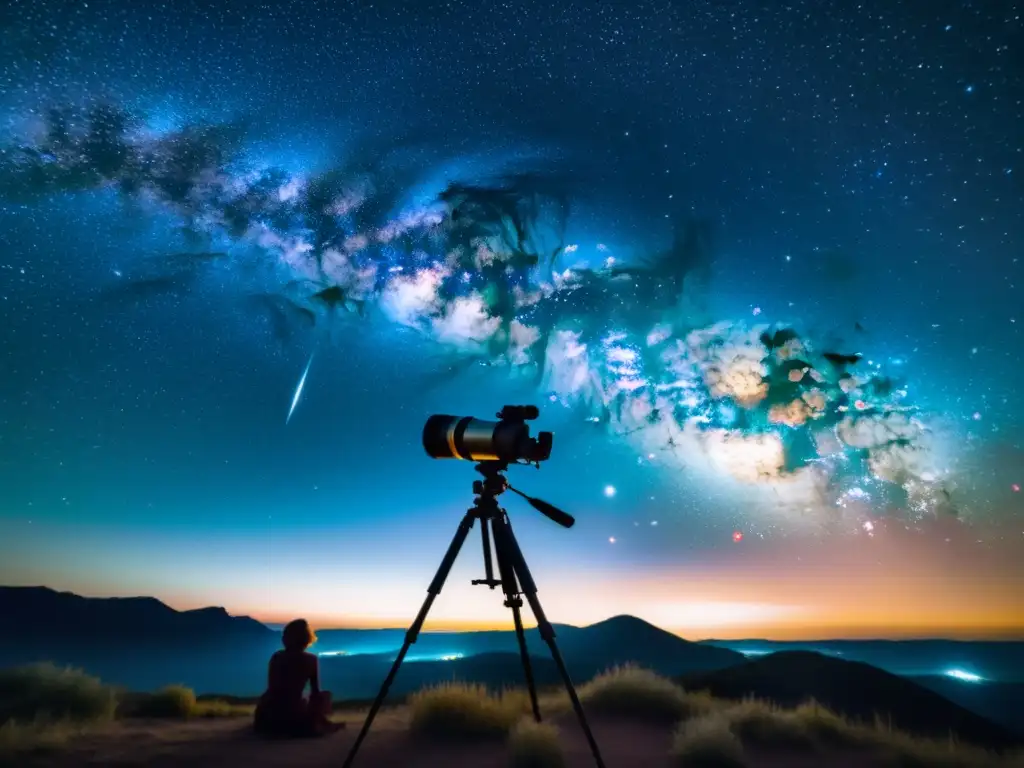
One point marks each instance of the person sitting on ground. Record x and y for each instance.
(282, 709)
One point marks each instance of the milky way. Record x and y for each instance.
(484, 270)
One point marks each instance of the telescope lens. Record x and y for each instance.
(454, 437)
(436, 436)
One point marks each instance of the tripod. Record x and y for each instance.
(512, 572)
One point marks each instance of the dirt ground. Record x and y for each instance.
(230, 742)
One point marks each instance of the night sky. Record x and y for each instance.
(759, 264)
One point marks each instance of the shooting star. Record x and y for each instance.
(298, 390)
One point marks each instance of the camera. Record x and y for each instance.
(472, 439)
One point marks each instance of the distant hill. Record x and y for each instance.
(627, 639)
(588, 651)
(618, 640)
(854, 689)
(137, 642)
(1001, 660)
(44, 619)
(492, 658)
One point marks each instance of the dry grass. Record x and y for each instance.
(831, 730)
(901, 750)
(814, 728)
(177, 702)
(535, 745)
(633, 692)
(761, 724)
(462, 712)
(174, 701)
(707, 741)
(44, 692)
(43, 707)
(218, 708)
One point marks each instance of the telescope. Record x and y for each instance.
(492, 445)
(472, 439)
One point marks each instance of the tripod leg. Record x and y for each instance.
(525, 656)
(414, 630)
(510, 587)
(547, 632)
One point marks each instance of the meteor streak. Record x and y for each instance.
(298, 390)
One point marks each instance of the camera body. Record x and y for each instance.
(506, 440)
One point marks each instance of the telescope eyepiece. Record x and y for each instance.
(519, 413)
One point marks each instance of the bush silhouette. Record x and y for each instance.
(633, 692)
(707, 742)
(535, 745)
(45, 692)
(174, 701)
(759, 723)
(461, 712)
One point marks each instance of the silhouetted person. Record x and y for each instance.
(282, 709)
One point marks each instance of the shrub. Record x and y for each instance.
(462, 712)
(221, 708)
(760, 723)
(174, 701)
(634, 692)
(829, 729)
(535, 745)
(812, 726)
(44, 692)
(707, 742)
(897, 749)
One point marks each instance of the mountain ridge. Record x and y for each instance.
(1001, 660)
(143, 644)
(46, 617)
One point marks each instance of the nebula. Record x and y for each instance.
(485, 270)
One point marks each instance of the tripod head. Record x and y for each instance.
(495, 483)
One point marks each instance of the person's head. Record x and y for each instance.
(298, 635)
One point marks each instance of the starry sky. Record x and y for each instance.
(180, 185)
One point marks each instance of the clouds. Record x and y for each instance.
(730, 361)
(465, 322)
(413, 300)
(756, 406)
